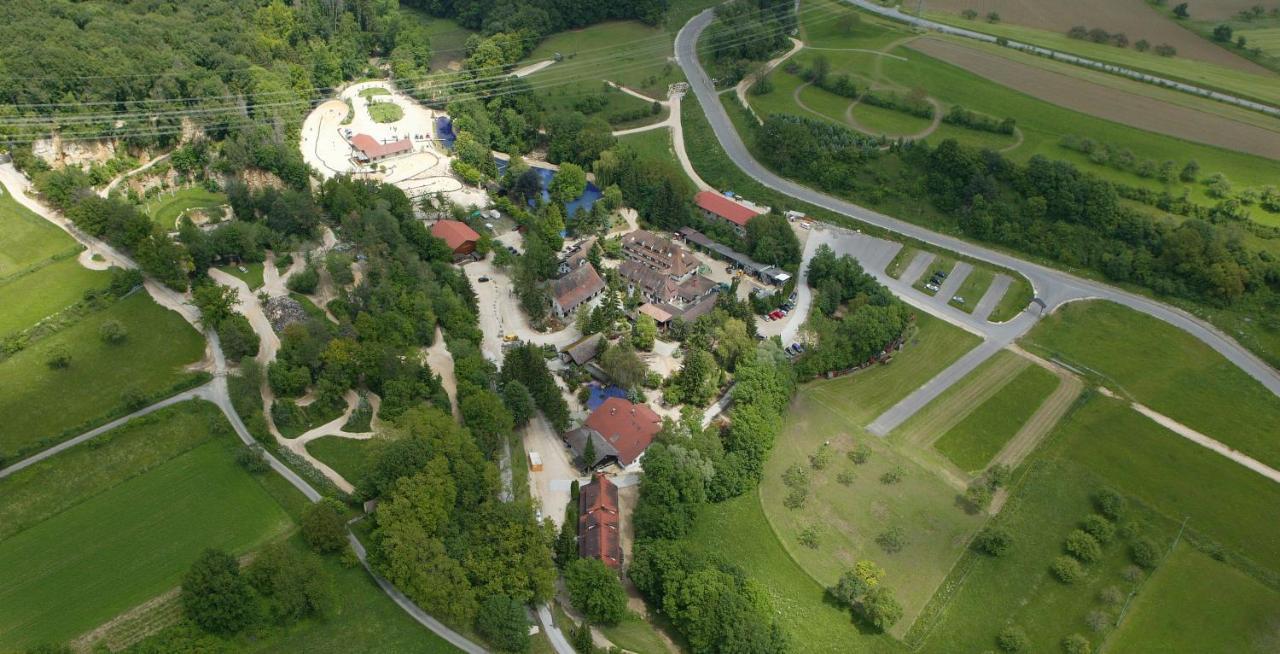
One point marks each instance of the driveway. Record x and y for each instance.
(551, 485)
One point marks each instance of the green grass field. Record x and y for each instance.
(1167, 615)
(983, 594)
(636, 635)
(124, 545)
(1260, 87)
(374, 91)
(348, 457)
(1220, 499)
(739, 531)
(1014, 302)
(653, 144)
(448, 39)
(41, 403)
(1267, 38)
(565, 97)
(626, 52)
(110, 459)
(385, 112)
(879, 120)
(32, 297)
(1166, 369)
(166, 208)
(27, 239)
(972, 442)
(850, 517)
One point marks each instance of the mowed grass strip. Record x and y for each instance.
(49, 487)
(72, 572)
(32, 297)
(27, 239)
(1167, 617)
(1166, 369)
(348, 457)
(977, 438)
(40, 403)
(1226, 502)
(167, 207)
(972, 289)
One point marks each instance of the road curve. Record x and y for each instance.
(1053, 287)
(893, 13)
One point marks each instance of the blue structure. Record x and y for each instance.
(584, 202)
(444, 126)
(601, 393)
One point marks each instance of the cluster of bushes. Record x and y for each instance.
(861, 591)
(962, 117)
(1104, 154)
(819, 74)
(913, 103)
(639, 113)
(1119, 39)
(978, 496)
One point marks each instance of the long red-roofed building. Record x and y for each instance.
(717, 207)
(373, 150)
(458, 235)
(599, 535)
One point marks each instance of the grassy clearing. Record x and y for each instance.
(166, 208)
(1015, 300)
(798, 601)
(374, 91)
(850, 516)
(977, 438)
(145, 532)
(653, 144)
(27, 239)
(566, 98)
(972, 289)
(879, 120)
(32, 297)
(252, 277)
(1166, 369)
(448, 39)
(987, 593)
(41, 403)
(110, 459)
(348, 457)
(1260, 87)
(1267, 38)
(625, 52)
(1166, 616)
(1223, 501)
(636, 635)
(385, 112)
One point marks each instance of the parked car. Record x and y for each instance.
(958, 300)
(483, 279)
(776, 315)
(931, 286)
(767, 318)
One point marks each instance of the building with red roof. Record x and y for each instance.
(371, 149)
(460, 237)
(716, 207)
(599, 533)
(619, 432)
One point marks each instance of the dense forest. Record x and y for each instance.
(537, 19)
(1043, 207)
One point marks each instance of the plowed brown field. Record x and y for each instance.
(1132, 17)
(1105, 102)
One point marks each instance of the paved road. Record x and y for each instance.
(952, 284)
(1053, 287)
(894, 14)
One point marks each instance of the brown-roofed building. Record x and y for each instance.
(371, 149)
(619, 431)
(460, 237)
(572, 290)
(659, 254)
(599, 532)
(654, 285)
(717, 207)
(575, 257)
(582, 350)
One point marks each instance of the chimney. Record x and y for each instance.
(613, 410)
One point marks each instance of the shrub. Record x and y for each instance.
(893, 540)
(251, 459)
(214, 595)
(1145, 553)
(993, 541)
(893, 476)
(1066, 569)
(860, 454)
(1083, 546)
(1098, 527)
(304, 281)
(1111, 595)
(1109, 503)
(112, 332)
(323, 527)
(845, 478)
(1013, 639)
(978, 496)
(502, 622)
(595, 590)
(1099, 620)
(809, 537)
(58, 357)
(822, 458)
(1076, 644)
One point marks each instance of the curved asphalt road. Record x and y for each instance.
(1051, 286)
(894, 13)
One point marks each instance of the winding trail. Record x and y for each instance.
(106, 191)
(741, 89)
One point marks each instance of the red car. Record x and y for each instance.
(776, 315)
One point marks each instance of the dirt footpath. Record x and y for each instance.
(1132, 17)
(1104, 102)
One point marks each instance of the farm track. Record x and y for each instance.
(1043, 420)
(942, 416)
(1104, 102)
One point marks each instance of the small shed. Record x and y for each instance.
(535, 462)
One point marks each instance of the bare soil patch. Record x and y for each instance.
(1105, 102)
(1132, 17)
